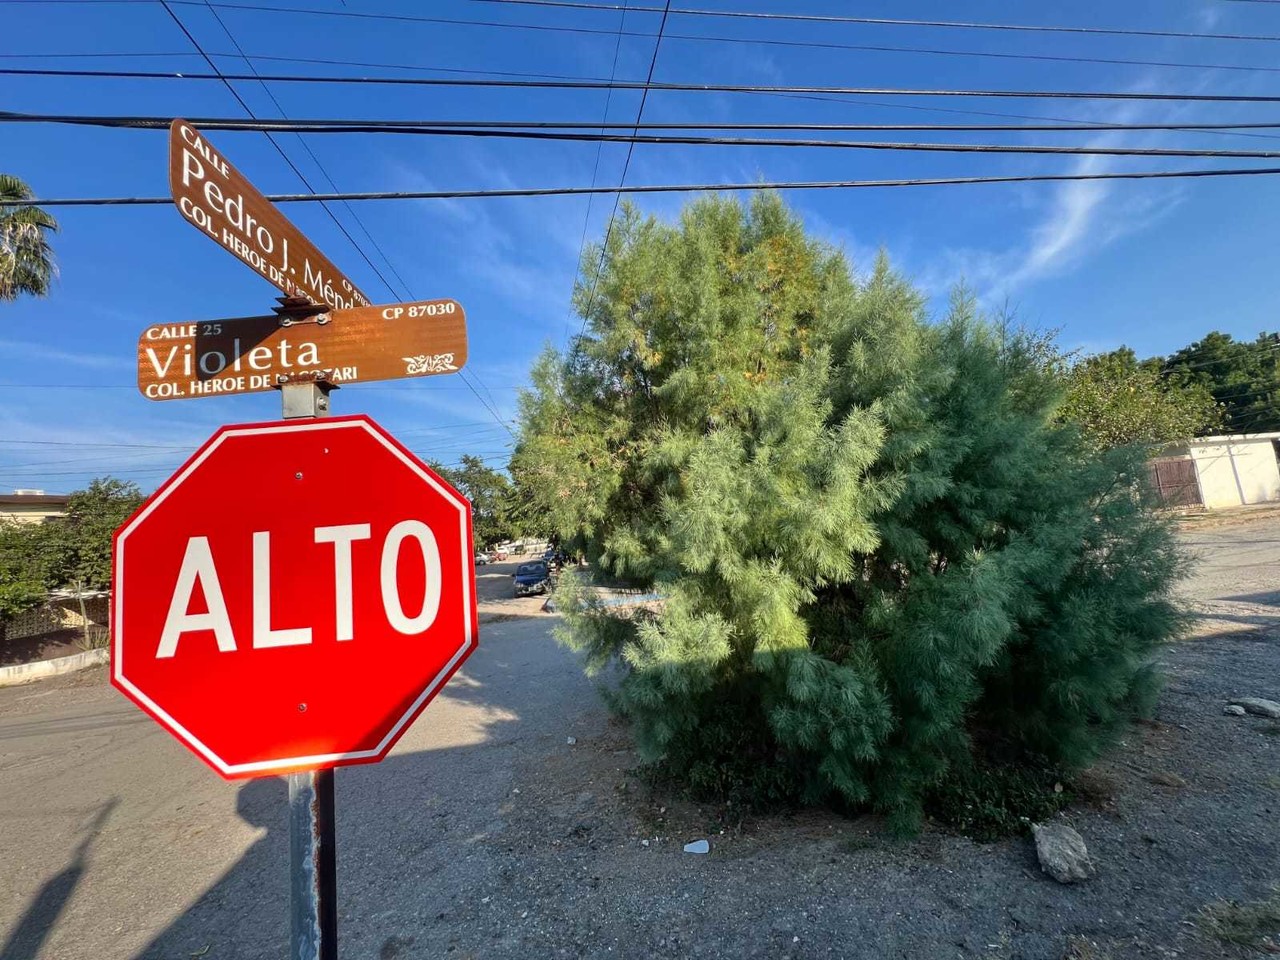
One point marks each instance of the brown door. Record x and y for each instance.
(1174, 482)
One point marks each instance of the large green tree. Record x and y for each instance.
(490, 493)
(93, 515)
(72, 552)
(1118, 400)
(75, 548)
(1242, 376)
(880, 553)
(26, 257)
(22, 571)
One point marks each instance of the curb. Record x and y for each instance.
(26, 672)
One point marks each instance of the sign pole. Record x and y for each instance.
(313, 854)
(313, 867)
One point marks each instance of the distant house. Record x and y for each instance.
(1219, 472)
(32, 506)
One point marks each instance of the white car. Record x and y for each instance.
(482, 559)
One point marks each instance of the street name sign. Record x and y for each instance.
(250, 354)
(294, 596)
(217, 199)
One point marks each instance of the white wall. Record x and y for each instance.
(1233, 472)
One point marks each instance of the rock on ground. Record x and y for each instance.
(1234, 710)
(1062, 852)
(1259, 707)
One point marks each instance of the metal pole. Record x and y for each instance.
(313, 867)
(313, 859)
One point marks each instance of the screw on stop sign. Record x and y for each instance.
(276, 625)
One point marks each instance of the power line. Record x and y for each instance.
(636, 85)
(809, 18)
(1177, 366)
(773, 41)
(668, 140)
(307, 184)
(786, 96)
(677, 188)
(871, 21)
(453, 127)
(249, 110)
(595, 167)
(783, 96)
(622, 180)
(316, 160)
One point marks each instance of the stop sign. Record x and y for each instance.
(293, 596)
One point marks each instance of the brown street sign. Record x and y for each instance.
(250, 354)
(217, 199)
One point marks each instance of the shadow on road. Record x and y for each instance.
(411, 831)
(36, 923)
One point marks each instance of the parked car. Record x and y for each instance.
(532, 578)
(482, 559)
(499, 555)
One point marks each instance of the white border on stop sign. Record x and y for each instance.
(319, 760)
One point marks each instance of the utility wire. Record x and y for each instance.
(793, 17)
(785, 96)
(649, 85)
(910, 146)
(405, 293)
(595, 167)
(617, 197)
(676, 188)
(280, 150)
(305, 146)
(873, 21)
(324, 125)
(812, 44)
(782, 96)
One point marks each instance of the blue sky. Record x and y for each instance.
(1152, 264)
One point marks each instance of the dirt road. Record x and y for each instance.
(487, 834)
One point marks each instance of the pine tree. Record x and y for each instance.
(880, 551)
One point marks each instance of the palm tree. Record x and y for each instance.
(26, 259)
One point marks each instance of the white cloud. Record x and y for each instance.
(38, 352)
(1080, 219)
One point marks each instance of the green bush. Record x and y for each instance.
(877, 544)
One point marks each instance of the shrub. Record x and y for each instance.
(883, 557)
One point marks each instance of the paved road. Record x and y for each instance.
(116, 842)
(484, 835)
(1236, 584)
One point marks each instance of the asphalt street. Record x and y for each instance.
(115, 841)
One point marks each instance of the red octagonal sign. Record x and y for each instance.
(294, 596)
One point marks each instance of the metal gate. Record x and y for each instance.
(1174, 481)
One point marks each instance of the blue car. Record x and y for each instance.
(532, 578)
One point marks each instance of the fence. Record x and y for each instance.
(60, 613)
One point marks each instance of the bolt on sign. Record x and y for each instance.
(217, 199)
(250, 354)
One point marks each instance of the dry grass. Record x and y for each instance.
(95, 638)
(1253, 924)
(1082, 948)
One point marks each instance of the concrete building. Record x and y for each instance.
(32, 506)
(1220, 471)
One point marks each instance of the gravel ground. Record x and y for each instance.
(590, 861)
(489, 835)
